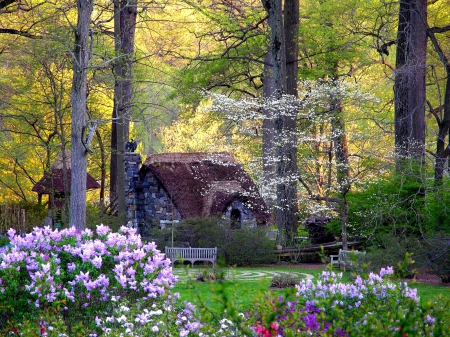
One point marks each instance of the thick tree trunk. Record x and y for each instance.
(283, 127)
(409, 87)
(291, 22)
(124, 31)
(79, 94)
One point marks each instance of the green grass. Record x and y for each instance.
(219, 295)
(241, 293)
(429, 292)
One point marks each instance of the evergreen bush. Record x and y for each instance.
(243, 246)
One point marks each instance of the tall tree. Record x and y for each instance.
(284, 121)
(442, 112)
(79, 99)
(125, 12)
(409, 87)
(339, 138)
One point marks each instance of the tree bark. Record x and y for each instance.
(124, 31)
(339, 138)
(284, 126)
(291, 22)
(79, 97)
(442, 119)
(409, 87)
(268, 147)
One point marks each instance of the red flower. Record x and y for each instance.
(43, 330)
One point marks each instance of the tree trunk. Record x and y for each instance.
(291, 22)
(409, 87)
(443, 120)
(124, 31)
(102, 169)
(283, 126)
(79, 94)
(339, 138)
(442, 151)
(268, 147)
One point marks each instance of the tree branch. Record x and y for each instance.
(18, 32)
(439, 29)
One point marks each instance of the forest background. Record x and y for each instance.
(361, 137)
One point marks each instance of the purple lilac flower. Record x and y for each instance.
(102, 230)
(311, 322)
(429, 319)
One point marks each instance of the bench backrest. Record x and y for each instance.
(348, 258)
(191, 253)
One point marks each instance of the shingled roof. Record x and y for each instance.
(53, 181)
(204, 184)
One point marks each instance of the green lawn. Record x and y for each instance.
(242, 288)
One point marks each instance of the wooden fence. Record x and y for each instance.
(12, 216)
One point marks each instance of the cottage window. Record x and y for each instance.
(235, 219)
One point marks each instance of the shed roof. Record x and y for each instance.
(204, 184)
(53, 181)
(46, 186)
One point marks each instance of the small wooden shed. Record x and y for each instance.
(52, 183)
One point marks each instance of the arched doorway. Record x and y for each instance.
(235, 219)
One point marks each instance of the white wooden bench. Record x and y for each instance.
(351, 259)
(191, 254)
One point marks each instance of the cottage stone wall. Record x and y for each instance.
(133, 188)
(149, 206)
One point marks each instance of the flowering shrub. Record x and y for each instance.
(369, 306)
(90, 274)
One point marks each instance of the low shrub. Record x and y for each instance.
(249, 246)
(434, 253)
(242, 247)
(388, 250)
(284, 280)
(210, 274)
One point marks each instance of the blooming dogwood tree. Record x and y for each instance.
(320, 174)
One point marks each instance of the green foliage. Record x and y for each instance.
(3, 240)
(203, 232)
(242, 247)
(371, 305)
(433, 252)
(397, 205)
(249, 246)
(15, 298)
(388, 250)
(96, 215)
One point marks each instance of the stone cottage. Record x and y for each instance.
(169, 187)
